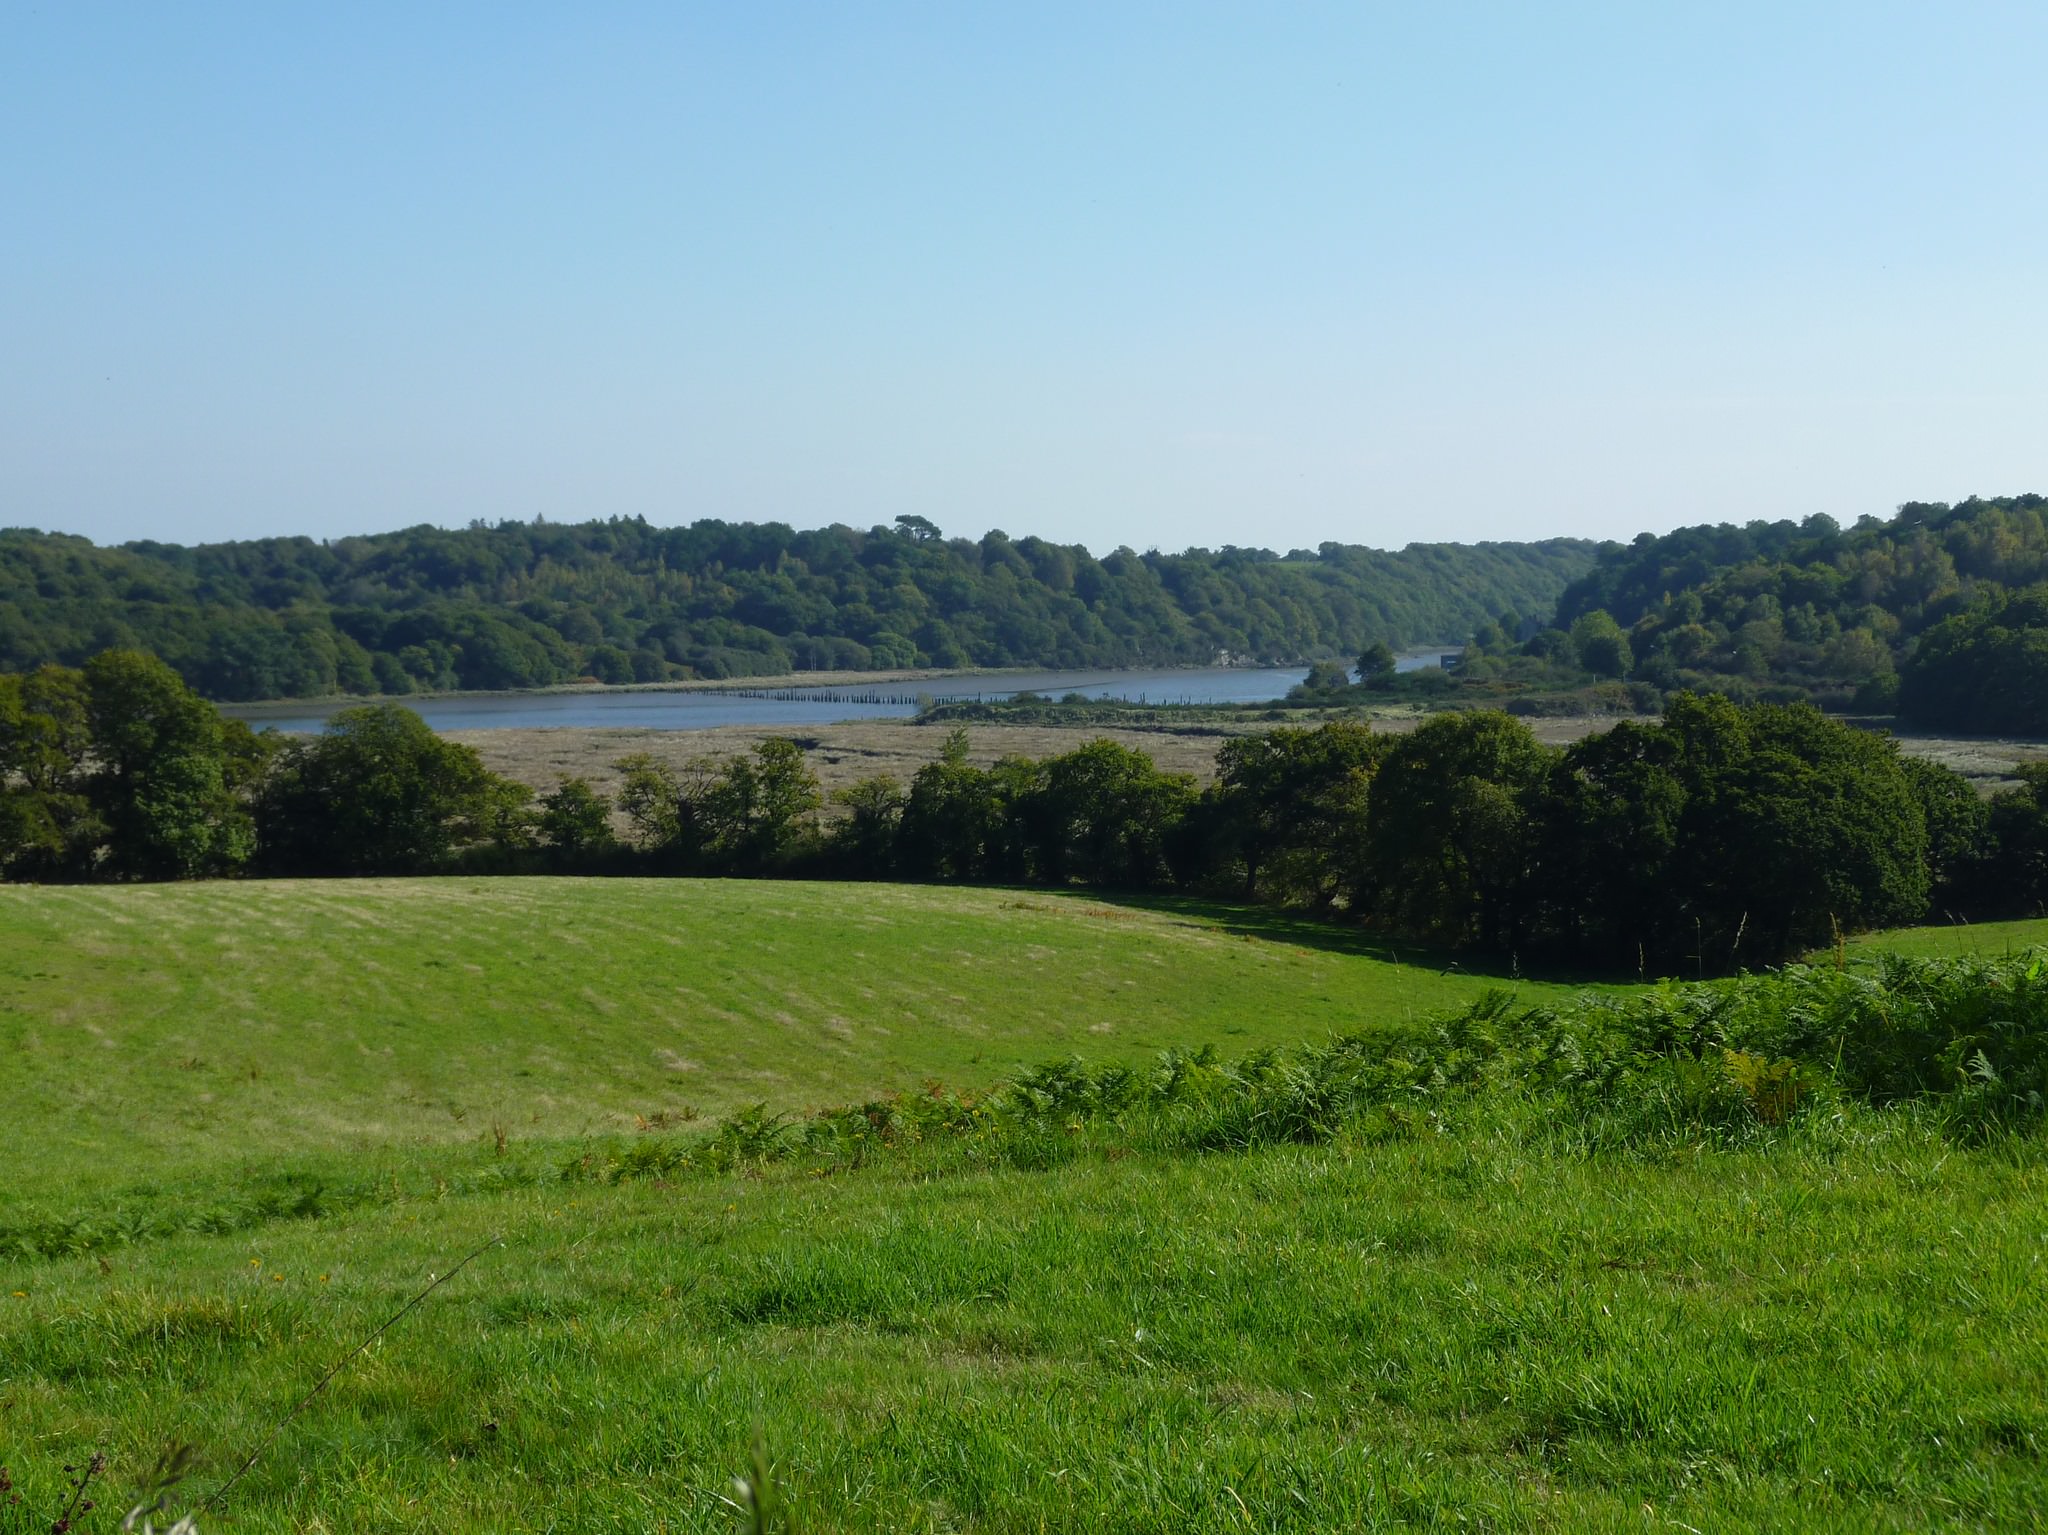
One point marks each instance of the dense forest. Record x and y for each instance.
(1720, 836)
(1939, 613)
(530, 604)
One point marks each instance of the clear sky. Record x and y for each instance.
(1110, 273)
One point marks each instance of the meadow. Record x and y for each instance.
(1964, 938)
(1465, 1313)
(179, 1028)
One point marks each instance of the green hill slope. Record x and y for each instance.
(298, 1022)
(1449, 1331)
(1455, 1310)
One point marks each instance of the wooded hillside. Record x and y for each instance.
(1940, 611)
(529, 604)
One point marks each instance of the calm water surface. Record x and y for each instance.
(804, 706)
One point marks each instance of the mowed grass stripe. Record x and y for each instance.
(180, 1026)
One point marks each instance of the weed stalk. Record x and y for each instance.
(335, 1369)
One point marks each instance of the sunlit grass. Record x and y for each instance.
(1446, 1316)
(190, 1025)
(1455, 1327)
(1986, 939)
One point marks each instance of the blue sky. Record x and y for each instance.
(1113, 274)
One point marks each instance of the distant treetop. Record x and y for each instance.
(518, 604)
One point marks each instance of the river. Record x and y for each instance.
(702, 708)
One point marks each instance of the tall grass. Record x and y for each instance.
(1964, 1040)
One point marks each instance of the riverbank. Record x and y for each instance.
(246, 710)
(895, 680)
(768, 704)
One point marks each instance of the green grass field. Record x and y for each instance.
(1981, 938)
(1841, 1325)
(178, 1027)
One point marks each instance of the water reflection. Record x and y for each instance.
(701, 709)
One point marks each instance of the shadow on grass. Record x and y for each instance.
(1333, 935)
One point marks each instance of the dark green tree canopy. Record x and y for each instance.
(1377, 663)
(1721, 836)
(1937, 612)
(575, 823)
(1290, 806)
(524, 605)
(119, 771)
(1985, 669)
(1447, 825)
(377, 793)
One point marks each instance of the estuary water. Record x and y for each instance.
(740, 704)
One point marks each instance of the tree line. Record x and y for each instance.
(1939, 613)
(1717, 836)
(517, 605)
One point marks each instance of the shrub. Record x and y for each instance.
(1720, 1061)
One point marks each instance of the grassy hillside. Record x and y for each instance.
(248, 1122)
(188, 1024)
(1988, 939)
(1451, 1330)
(529, 604)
